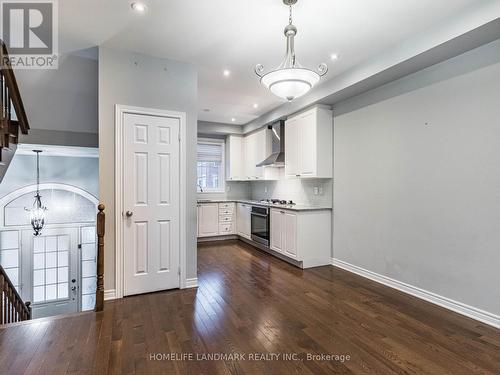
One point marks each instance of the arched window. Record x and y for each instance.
(66, 205)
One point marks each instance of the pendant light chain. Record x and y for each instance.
(290, 18)
(38, 172)
(37, 211)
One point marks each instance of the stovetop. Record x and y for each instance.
(278, 202)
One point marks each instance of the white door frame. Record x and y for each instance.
(120, 111)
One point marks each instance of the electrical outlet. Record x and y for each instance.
(265, 189)
(316, 190)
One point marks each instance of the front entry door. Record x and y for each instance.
(151, 178)
(50, 269)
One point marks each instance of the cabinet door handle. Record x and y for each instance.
(282, 212)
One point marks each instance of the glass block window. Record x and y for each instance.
(89, 267)
(63, 207)
(9, 255)
(210, 166)
(50, 268)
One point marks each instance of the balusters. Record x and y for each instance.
(12, 307)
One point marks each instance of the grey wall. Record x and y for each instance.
(138, 80)
(77, 171)
(61, 104)
(416, 179)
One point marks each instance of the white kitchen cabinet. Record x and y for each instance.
(283, 234)
(256, 150)
(276, 230)
(208, 219)
(303, 236)
(244, 153)
(243, 221)
(290, 231)
(216, 219)
(309, 144)
(235, 167)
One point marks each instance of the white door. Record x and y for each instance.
(290, 234)
(208, 219)
(277, 219)
(50, 269)
(151, 209)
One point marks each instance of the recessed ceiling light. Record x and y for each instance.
(226, 73)
(334, 56)
(233, 119)
(138, 7)
(256, 105)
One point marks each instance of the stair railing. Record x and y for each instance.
(99, 294)
(12, 307)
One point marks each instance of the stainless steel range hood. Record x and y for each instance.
(277, 157)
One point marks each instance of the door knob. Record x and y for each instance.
(129, 213)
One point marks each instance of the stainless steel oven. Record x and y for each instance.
(260, 224)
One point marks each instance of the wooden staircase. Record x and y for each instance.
(12, 307)
(13, 117)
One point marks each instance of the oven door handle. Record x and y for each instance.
(260, 215)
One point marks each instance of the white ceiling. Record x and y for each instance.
(235, 35)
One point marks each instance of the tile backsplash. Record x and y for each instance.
(234, 190)
(301, 191)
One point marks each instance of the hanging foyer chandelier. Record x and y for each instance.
(37, 211)
(290, 80)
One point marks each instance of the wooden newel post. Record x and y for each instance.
(99, 294)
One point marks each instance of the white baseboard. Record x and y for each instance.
(458, 307)
(192, 283)
(109, 294)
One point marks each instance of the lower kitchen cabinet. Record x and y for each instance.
(208, 219)
(284, 232)
(303, 236)
(216, 219)
(243, 220)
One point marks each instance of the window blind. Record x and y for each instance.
(209, 152)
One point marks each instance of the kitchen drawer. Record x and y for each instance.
(225, 219)
(226, 206)
(225, 211)
(225, 228)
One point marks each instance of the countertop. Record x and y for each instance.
(297, 207)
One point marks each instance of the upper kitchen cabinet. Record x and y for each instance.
(235, 168)
(257, 148)
(308, 144)
(244, 153)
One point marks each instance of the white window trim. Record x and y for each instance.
(222, 187)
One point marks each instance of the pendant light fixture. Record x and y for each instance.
(37, 211)
(290, 80)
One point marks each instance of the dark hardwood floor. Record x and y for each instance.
(249, 303)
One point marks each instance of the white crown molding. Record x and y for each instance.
(458, 307)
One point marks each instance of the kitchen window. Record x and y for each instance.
(210, 166)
